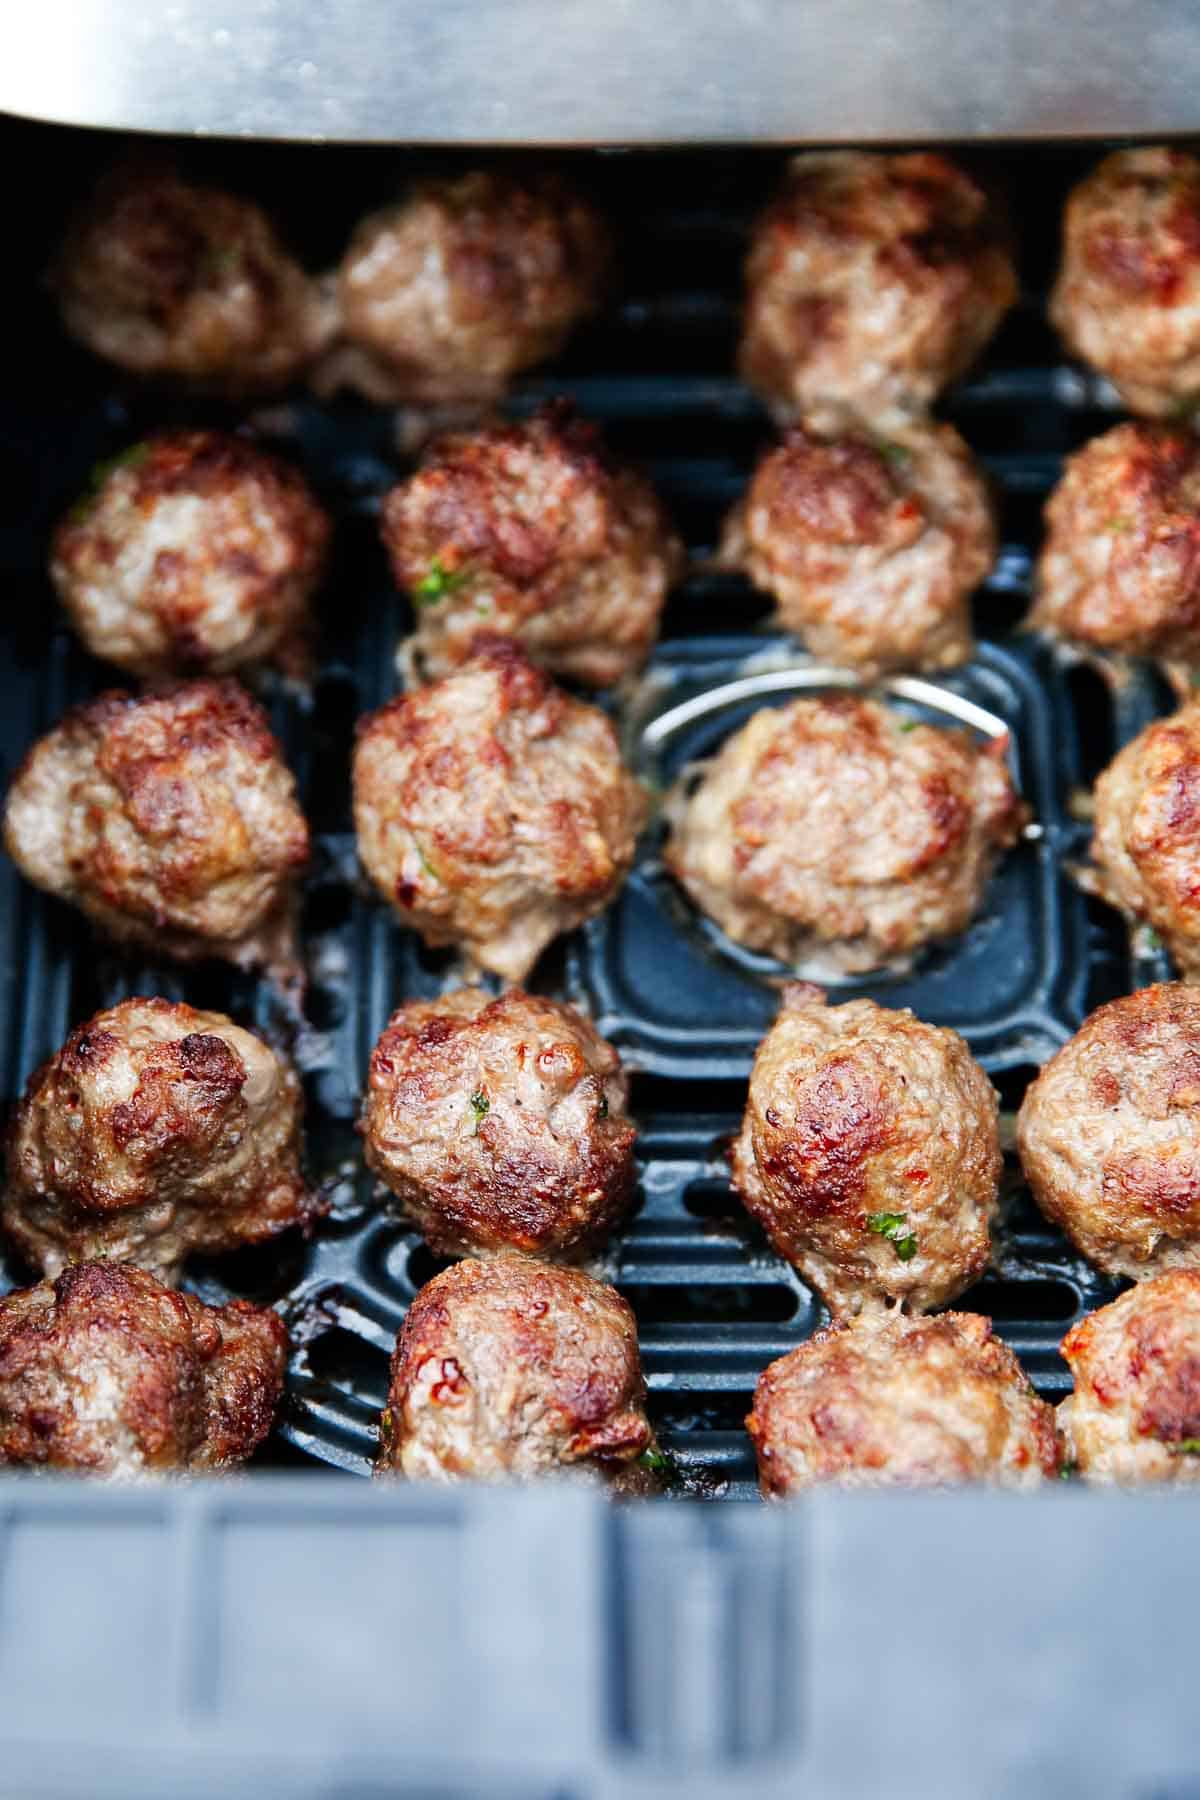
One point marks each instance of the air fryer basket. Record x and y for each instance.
(714, 1304)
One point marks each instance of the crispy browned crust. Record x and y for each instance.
(107, 1372)
(1135, 1412)
(170, 819)
(871, 282)
(228, 584)
(857, 1113)
(515, 1367)
(894, 1400)
(155, 1131)
(1109, 1133)
(540, 536)
(500, 1124)
(493, 810)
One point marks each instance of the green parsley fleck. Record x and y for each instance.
(602, 1109)
(1185, 1447)
(480, 1106)
(909, 724)
(894, 1227)
(1152, 939)
(1117, 525)
(1067, 1471)
(99, 473)
(436, 583)
(387, 1429)
(659, 1463)
(893, 453)
(425, 863)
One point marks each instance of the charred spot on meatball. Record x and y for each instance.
(194, 553)
(169, 279)
(871, 546)
(170, 820)
(836, 835)
(155, 1131)
(106, 1372)
(516, 1368)
(894, 1401)
(1109, 1133)
(1135, 1412)
(872, 282)
(870, 1153)
(493, 810)
(444, 297)
(1145, 848)
(1120, 567)
(500, 1124)
(531, 530)
(1127, 299)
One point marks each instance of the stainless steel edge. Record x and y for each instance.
(605, 71)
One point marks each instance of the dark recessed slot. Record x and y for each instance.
(1091, 699)
(1053, 1301)
(324, 1008)
(423, 1265)
(345, 1361)
(700, 1303)
(683, 1414)
(714, 1201)
(261, 1272)
(327, 907)
(1010, 1084)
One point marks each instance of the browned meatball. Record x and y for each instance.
(1146, 834)
(1135, 1411)
(1109, 1133)
(1120, 568)
(106, 1372)
(169, 279)
(901, 1402)
(171, 820)
(833, 832)
(449, 294)
(492, 810)
(1127, 298)
(532, 531)
(197, 552)
(872, 281)
(156, 1130)
(513, 1367)
(872, 547)
(870, 1153)
(500, 1124)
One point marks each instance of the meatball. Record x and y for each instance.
(1135, 1411)
(500, 1124)
(492, 810)
(901, 1402)
(1120, 568)
(1109, 1133)
(870, 1153)
(196, 552)
(872, 281)
(530, 529)
(834, 832)
(1127, 299)
(165, 278)
(156, 1130)
(449, 294)
(1146, 834)
(871, 548)
(107, 1372)
(170, 820)
(513, 1367)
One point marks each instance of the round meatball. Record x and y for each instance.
(500, 1124)
(1127, 299)
(165, 278)
(170, 820)
(1109, 1133)
(493, 811)
(1120, 568)
(870, 1153)
(1135, 1411)
(530, 530)
(901, 1402)
(872, 281)
(195, 553)
(449, 294)
(872, 548)
(156, 1130)
(513, 1367)
(107, 1372)
(835, 833)
(1146, 834)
